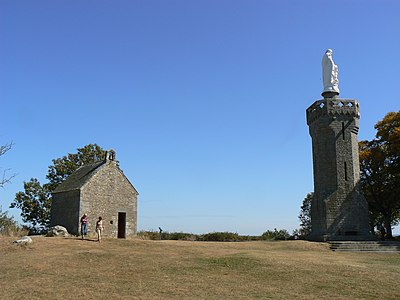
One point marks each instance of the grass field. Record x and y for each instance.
(69, 268)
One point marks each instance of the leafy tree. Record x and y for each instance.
(35, 203)
(305, 215)
(66, 165)
(35, 200)
(380, 172)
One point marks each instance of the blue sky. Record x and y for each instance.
(204, 101)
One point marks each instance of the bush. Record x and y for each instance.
(220, 237)
(179, 236)
(214, 236)
(148, 235)
(275, 235)
(10, 227)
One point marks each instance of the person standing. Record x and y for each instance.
(84, 221)
(99, 228)
(160, 232)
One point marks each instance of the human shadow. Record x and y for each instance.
(85, 239)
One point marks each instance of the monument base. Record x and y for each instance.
(330, 94)
(329, 238)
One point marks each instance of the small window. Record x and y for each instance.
(343, 131)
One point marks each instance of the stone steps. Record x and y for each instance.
(371, 246)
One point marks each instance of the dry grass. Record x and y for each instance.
(69, 268)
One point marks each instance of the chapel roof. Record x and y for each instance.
(78, 178)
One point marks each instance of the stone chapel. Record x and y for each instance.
(99, 189)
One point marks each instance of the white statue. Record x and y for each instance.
(330, 73)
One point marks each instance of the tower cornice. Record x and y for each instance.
(332, 107)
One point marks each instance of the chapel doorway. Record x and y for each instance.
(121, 225)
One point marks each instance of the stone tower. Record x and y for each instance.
(338, 211)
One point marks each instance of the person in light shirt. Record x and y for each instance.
(99, 228)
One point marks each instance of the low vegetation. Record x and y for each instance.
(215, 236)
(71, 268)
(10, 227)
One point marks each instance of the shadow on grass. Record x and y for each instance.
(86, 239)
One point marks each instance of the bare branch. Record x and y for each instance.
(6, 179)
(5, 148)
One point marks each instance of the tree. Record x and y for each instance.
(305, 215)
(66, 165)
(35, 203)
(35, 200)
(380, 172)
(5, 178)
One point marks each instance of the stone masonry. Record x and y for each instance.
(338, 210)
(99, 189)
